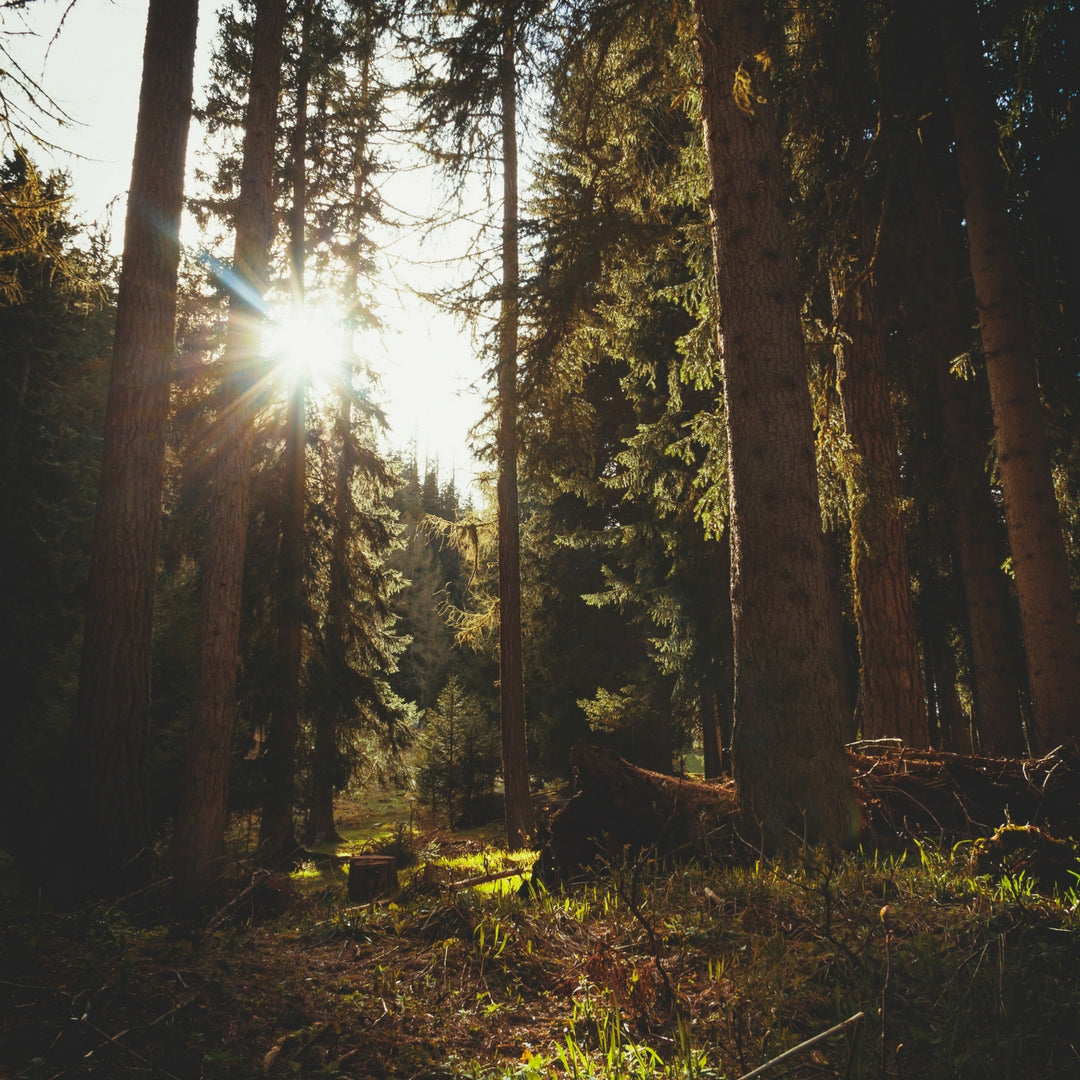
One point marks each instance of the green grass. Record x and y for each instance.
(647, 970)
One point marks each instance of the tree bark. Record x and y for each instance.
(787, 751)
(112, 717)
(519, 823)
(718, 690)
(277, 835)
(201, 819)
(891, 700)
(990, 617)
(1040, 567)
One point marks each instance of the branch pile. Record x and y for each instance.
(906, 793)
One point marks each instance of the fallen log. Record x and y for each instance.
(618, 808)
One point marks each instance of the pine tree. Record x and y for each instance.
(277, 839)
(458, 752)
(622, 433)
(788, 757)
(200, 829)
(112, 714)
(475, 106)
(57, 286)
(1039, 561)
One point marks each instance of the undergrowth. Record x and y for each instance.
(647, 970)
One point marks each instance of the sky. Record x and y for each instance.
(430, 374)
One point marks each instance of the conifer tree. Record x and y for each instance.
(788, 757)
(622, 437)
(277, 839)
(1039, 561)
(113, 711)
(57, 287)
(200, 829)
(475, 106)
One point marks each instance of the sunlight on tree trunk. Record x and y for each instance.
(891, 702)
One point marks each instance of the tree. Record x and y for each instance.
(621, 428)
(277, 838)
(519, 818)
(112, 714)
(1036, 544)
(355, 651)
(840, 142)
(458, 751)
(200, 827)
(891, 701)
(57, 287)
(787, 753)
(479, 45)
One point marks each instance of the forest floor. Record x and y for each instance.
(645, 970)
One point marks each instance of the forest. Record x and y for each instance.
(727, 726)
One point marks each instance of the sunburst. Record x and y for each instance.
(307, 344)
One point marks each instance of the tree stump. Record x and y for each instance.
(371, 876)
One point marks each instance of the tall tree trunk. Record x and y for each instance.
(277, 837)
(112, 718)
(324, 754)
(519, 821)
(788, 757)
(1047, 612)
(990, 621)
(201, 819)
(891, 700)
(718, 690)
(325, 776)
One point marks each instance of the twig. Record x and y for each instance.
(115, 1041)
(224, 913)
(485, 878)
(834, 1030)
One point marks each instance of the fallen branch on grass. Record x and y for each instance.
(805, 1045)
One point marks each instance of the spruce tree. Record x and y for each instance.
(200, 828)
(1036, 543)
(788, 757)
(111, 799)
(57, 290)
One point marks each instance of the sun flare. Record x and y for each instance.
(307, 345)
